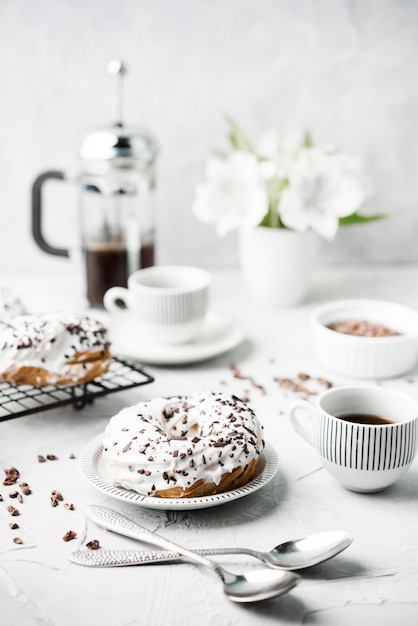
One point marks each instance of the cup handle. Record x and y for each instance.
(116, 300)
(307, 408)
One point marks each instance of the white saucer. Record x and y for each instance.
(92, 468)
(219, 334)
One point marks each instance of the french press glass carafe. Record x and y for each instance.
(116, 188)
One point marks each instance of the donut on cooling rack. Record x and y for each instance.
(183, 446)
(10, 304)
(52, 349)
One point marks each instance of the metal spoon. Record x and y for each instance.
(251, 587)
(290, 555)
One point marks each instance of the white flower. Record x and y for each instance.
(278, 148)
(322, 187)
(276, 142)
(233, 195)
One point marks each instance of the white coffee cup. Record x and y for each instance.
(169, 302)
(363, 457)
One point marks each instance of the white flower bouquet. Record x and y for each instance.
(283, 182)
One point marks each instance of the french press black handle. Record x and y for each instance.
(37, 213)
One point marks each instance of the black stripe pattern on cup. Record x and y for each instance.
(367, 447)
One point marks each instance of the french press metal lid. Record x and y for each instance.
(118, 145)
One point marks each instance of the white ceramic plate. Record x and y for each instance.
(219, 334)
(92, 468)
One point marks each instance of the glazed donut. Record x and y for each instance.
(52, 349)
(183, 446)
(10, 304)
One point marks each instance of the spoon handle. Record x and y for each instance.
(112, 520)
(118, 558)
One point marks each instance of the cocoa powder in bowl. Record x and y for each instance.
(362, 328)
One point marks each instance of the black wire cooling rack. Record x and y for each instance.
(20, 400)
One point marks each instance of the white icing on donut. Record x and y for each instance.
(49, 341)
(174, 442)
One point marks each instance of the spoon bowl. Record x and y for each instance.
(257, 585)
(307, 551)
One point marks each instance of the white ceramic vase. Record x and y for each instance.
(277, 264)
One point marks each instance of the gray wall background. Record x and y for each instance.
(345, 69)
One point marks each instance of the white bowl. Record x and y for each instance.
(366, 357)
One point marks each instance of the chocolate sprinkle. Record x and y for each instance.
(69, 535)
(12, 476)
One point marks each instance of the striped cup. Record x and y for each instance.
(366, 436)
(169, 302)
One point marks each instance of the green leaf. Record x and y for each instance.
(358, 218)
(272, 220)
(238, 139)
(307, 140)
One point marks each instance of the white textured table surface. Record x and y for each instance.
(374, 581)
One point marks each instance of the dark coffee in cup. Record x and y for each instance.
(364, 418)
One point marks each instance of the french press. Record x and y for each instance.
(116, 189)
